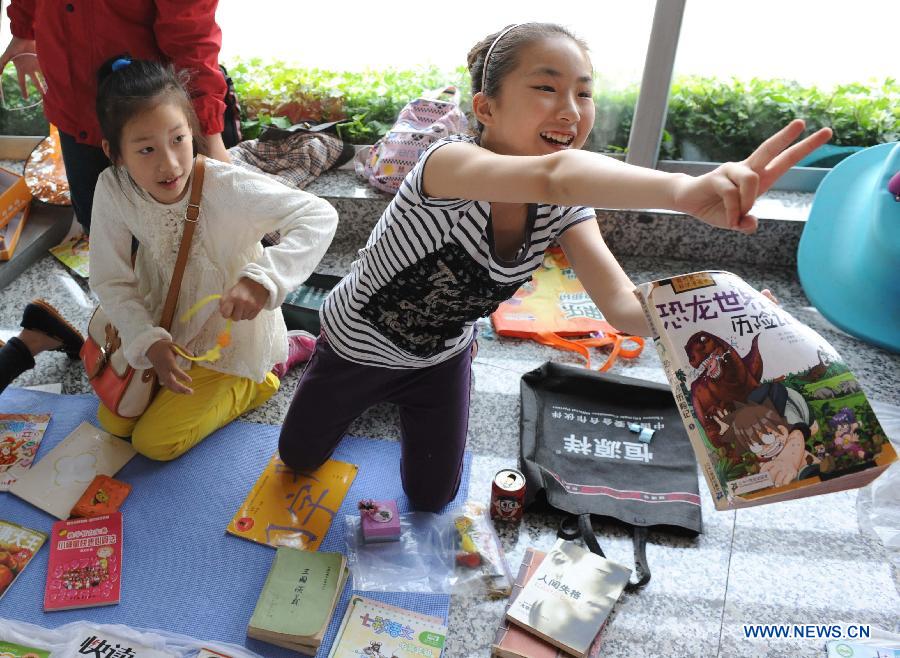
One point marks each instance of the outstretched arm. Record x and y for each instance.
(722, 198)
(603, 278)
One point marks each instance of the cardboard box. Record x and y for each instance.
(10, 234)
(14, 195)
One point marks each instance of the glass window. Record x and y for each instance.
(346, 61)
(741, 75)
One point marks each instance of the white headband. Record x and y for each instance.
(487, 57)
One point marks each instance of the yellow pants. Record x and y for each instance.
(174, 423)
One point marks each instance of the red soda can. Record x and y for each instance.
(508, 495)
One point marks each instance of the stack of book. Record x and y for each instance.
(298, 599)
(559, 604)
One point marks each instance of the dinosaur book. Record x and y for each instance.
(772, 411)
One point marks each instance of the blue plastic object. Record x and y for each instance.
(849, 254)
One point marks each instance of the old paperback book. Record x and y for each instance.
(18, 546)
(772, 411)
(298, 598)
(20, 437)
(568, 599)
(512, 641)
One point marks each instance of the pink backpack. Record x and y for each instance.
(421, 123)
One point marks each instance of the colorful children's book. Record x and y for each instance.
(56, 482)
(104, 495)
(512, 641)
(85, 565)
(298, 598)
(18, 545)
(372, 629)
(74, 252)
(567, 600)
(20, 437)
(286, 508)
(12, 650)
(772, 411)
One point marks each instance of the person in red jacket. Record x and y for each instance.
(60, 46)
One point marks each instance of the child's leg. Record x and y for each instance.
(175, 423)
(331, 394)
(434, 418)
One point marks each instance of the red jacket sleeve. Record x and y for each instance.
(21, 18)
(187, 33)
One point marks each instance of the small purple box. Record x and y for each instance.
(381, 523)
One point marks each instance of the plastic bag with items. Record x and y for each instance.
(80, 638)
(878, 503)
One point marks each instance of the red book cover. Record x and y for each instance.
(85, 564)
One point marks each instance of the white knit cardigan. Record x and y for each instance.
(237, 208)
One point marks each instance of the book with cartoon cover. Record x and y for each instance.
(85, 564)
(772, 411)
(13, 650)
(287, 508)
(20, 437)
(373, 629)
(18, 545)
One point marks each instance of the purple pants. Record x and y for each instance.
(434, 416)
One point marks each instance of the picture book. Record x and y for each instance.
(512, 641)
(772, 411)
(74, 253)
(298, 598)
(56, 482)
(104, 495)
(94, 642)
(569, 597)
(85, 565)
(286, 508)
(12, 650)
(20, 437)
(18, 545)
(372, 629)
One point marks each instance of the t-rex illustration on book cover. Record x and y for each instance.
(772, 410)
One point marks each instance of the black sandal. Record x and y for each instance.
(39, 315)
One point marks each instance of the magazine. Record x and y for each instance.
(73, 252)
(85, 565)
(20, 437)
(18, 545)
(772, 411)
(287, 508)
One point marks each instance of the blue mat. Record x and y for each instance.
(181, 571)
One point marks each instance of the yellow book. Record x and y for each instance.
(287, 508)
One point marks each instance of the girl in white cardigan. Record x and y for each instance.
(151, 138)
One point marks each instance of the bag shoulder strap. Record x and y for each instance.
(191, 217)
(586, 531)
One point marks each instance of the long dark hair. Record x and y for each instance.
(126, 87)
(504, 56)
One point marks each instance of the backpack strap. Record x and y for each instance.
(584, 530)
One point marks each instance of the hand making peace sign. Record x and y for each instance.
(724, 196)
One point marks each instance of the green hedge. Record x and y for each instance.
(723, 119)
